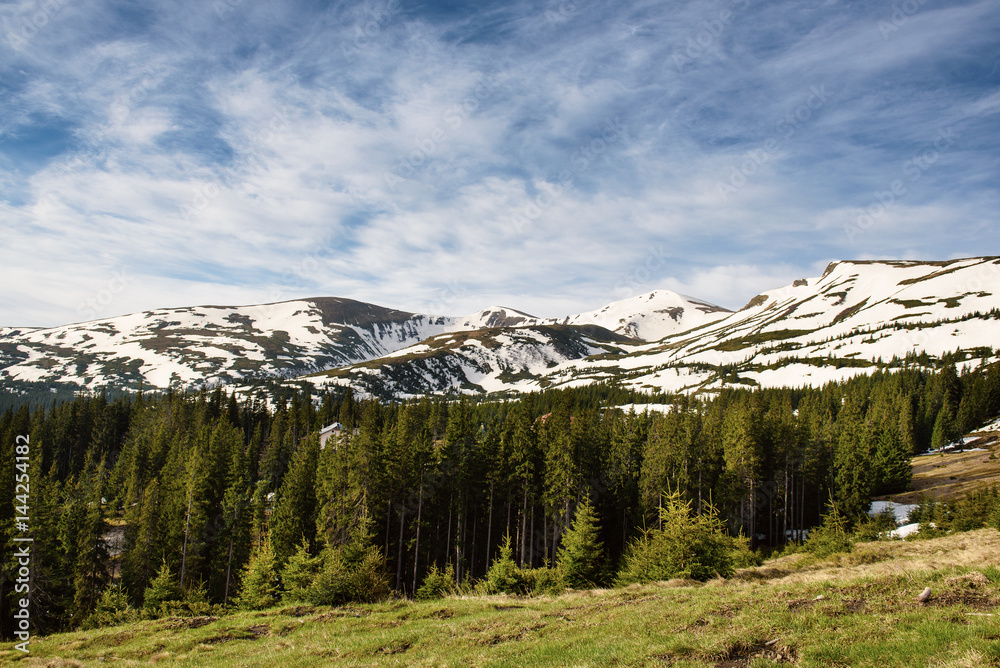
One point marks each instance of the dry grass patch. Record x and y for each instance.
(951, 475)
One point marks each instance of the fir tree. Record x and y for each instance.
(299, 574)
(260, 584)
(163, 590)
(504, 577)
(294, 517)
(581, 554)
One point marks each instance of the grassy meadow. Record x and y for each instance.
(857, 609)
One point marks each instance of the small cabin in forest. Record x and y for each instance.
(326, 432)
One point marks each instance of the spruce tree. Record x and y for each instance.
(163, 590)
(298, 575)
(503, 576)
(90, 570)
(260, 584)
(581, 554)
(294, 518)
(945, 428)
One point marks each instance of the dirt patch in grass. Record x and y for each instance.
(727, 612)
(973, 601)
(258, 630)
(395, 647)
(511, 636)
(742, 656)
(802, 604)
(443, 613)
(299, 611)
(255, 632)
(973, 590)
(171, 623)
(341, 612)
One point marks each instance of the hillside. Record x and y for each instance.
(484, 360)
(854, 319)
(858, 610)
(858, 317)
(951, 474)
(212, 345)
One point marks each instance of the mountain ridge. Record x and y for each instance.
(857, 317)
(212, 344)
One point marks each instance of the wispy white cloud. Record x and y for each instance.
(548, 157)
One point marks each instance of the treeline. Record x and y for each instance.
(147, 499)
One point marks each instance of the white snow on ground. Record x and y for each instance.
(651, 316)
(901, 511)
(855, 311)
(644, 408)
(993, 426)
(955, 447)
(906, 530)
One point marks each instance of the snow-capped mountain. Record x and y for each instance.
(189, 346)
(498, 359)
(224, 344)
(651, 316)
(854, 319)
(858, 317)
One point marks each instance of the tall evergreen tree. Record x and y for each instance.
(581, 555)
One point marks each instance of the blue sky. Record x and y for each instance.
(443, 156)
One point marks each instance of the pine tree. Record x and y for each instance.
(299, 574)
(503, 576)
(260, 584)
(688, 546)
(294, 518)
(581, 554)
(355, 571)
(854, 460)
(162, 590)
(90, 570)
(945, 428)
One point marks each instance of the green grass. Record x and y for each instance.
(849, 610)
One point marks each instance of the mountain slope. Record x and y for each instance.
(224, 344)
(853, 319)
(188, 346)
(480, 361)
(651, 316)
(856, 318)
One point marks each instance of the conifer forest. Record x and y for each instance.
(153, 502)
